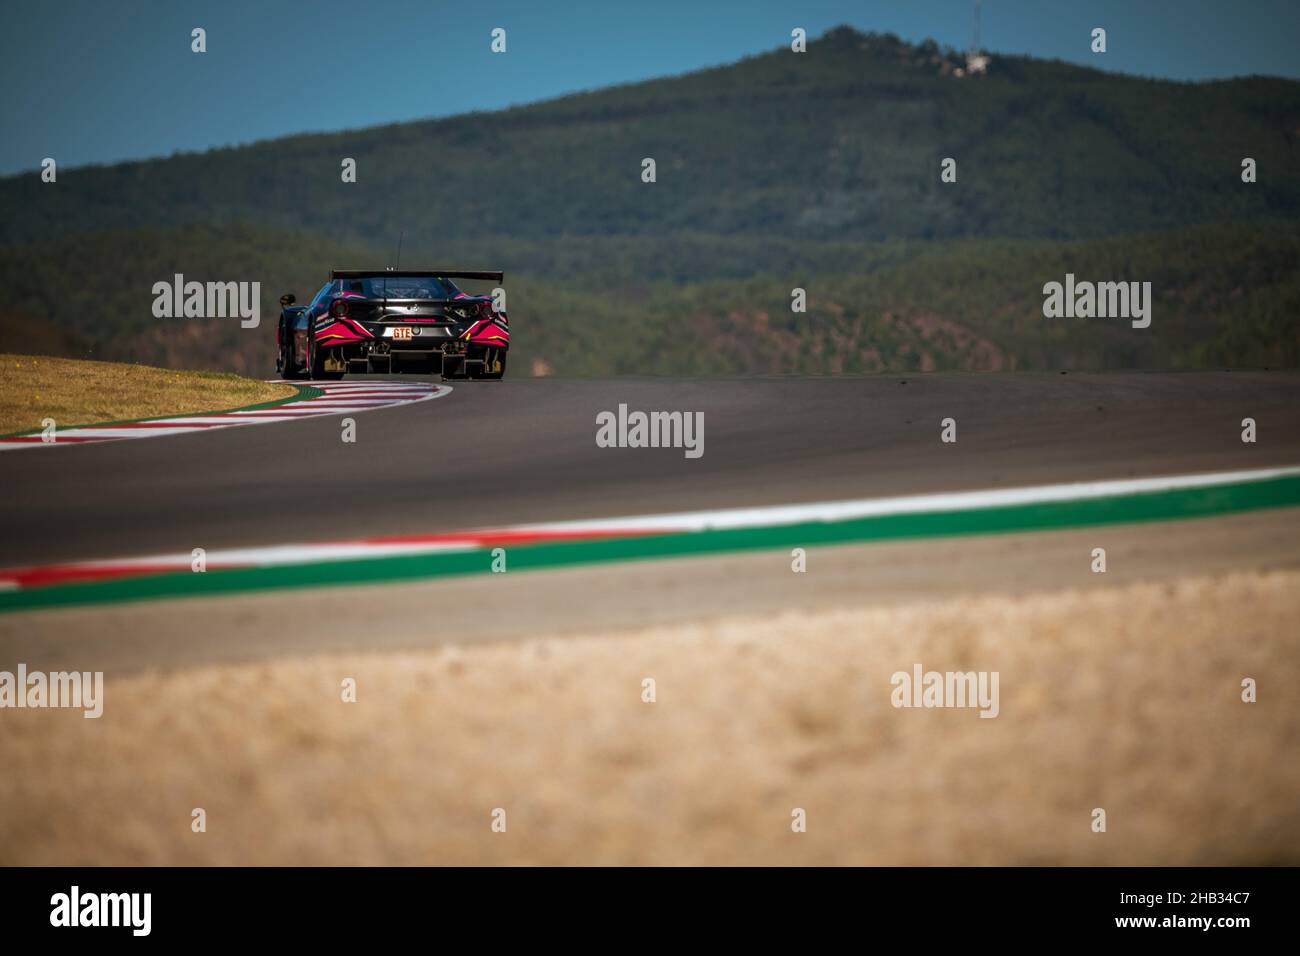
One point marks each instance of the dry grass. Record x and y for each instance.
(1126, 699)
(76, 392)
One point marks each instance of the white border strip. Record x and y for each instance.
(911, 504)
(690, 521)
(339, 398)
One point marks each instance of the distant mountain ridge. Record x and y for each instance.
(818, 170)
(841, 142)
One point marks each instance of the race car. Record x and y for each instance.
(389, 321)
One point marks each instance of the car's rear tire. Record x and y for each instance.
(288, 368)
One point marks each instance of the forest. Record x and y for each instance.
(817, 171)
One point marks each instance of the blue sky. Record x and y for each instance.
(92, 81)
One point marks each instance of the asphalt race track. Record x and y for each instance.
(524, 450)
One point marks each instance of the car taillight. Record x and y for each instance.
(339, 308)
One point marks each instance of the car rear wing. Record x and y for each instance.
(421, 274)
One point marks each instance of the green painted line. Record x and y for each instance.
(302, 393)
(1120, 509)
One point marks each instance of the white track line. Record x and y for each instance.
(339, 398)
(667, 523)
(911, 504)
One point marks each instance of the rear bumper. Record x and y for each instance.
(384, 357)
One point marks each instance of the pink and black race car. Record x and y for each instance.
(394, 321)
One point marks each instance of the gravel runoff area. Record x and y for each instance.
(1127, 699)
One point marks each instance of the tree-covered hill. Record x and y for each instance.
(818, 170)
(841, 142)
(1223, 295)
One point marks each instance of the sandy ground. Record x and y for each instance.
(1124, 698)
